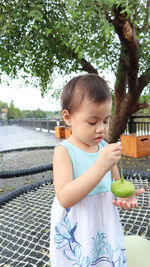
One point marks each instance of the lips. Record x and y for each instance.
(99, 138)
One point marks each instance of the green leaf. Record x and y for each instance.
(35, 26)
(48, 31)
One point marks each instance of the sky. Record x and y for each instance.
(27, 97)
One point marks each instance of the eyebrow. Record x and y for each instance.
(96, 117)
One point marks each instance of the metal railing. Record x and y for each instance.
(47, 124)
(139, 125)
(136, 124)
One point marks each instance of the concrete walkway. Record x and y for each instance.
(18, 137)
(12, 137)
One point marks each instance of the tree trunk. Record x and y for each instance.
(128, 86)
(120, 119)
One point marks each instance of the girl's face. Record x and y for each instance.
(90, 124)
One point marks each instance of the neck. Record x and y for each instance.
(83, 146)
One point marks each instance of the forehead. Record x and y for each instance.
(90, 107)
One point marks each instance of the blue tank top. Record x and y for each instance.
(82, 160)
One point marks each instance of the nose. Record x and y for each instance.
(100, 128)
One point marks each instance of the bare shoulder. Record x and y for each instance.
(61, 157)
(60, 151)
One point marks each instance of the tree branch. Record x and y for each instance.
(126, 32)
(86, 66)
(139, 106)
(100, 5)
(108, 18)
(121, 79)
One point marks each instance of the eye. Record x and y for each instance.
(106, 122)
(92, 123)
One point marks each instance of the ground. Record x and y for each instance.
(138, 165)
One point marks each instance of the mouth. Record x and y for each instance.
(99, 138)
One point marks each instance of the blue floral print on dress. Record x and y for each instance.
(101, 252)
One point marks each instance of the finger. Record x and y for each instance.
(115, 202)
(127, 206)
(122, 204)
(117, 154)
(139, 191)
(115, 146)
(134, 204)
(118, 203)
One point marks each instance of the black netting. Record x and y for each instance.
(25, 224)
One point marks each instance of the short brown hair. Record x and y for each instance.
(91, 86)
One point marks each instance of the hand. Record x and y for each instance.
(128, 202)
(109, 156)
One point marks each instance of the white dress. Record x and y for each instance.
(90, 232)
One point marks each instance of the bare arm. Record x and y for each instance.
(69, 191)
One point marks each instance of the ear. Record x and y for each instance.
(66, 117)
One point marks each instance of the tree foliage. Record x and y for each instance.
(79, 35)
(40, 36)
(3, 105)
(13, 112)
(16, 113)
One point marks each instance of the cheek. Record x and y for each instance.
(85, 130)
(90, 131)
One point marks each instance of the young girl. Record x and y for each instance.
(85, 223)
